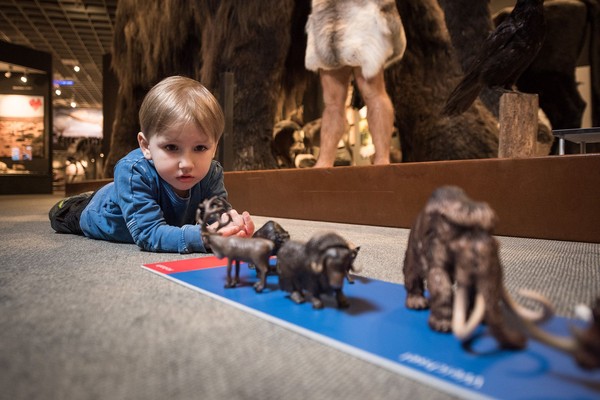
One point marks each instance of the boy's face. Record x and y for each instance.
(181, 157)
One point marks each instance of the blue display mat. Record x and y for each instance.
(378, 328)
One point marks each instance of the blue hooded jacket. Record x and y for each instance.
(140, 207)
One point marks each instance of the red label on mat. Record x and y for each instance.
(189, 264)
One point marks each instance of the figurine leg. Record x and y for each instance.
(262, 270)
(237, 272)
(413, 266)
(297, 297)
(317, 303)
(489, 283)
(229, 283)
(342, 300)
(440, 287)
(349, 277)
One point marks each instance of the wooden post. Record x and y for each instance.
(518, 125)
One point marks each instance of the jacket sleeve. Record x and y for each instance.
(138, 195)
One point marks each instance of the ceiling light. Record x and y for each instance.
(7, 74)
(76, 68)
(58, 92)
(24, 79)
(73, 104)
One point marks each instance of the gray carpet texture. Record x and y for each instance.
(80, 319)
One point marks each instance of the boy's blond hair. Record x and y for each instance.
(177, 101)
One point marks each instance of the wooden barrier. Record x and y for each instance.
(541, 197)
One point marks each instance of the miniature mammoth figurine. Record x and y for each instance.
(317, 267)
(251, 250)
(451, 243)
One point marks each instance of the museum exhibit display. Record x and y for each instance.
(25, 120)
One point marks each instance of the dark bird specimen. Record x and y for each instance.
(503, 57)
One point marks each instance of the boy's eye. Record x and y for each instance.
(170, 147)
(201, 148)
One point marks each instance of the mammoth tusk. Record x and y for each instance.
(566, 344)
(526, 313)
(461, 329)
(531, 318)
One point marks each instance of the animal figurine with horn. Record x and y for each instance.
(451, 244)
(316, 268)
(251, 250)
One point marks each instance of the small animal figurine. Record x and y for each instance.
(355, 250)
(451, 244)
(583, 346)
(274, 232)
(317, 267)
(251, 250)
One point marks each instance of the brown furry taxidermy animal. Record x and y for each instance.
(203, 40)
(252, 40)
(418, 86)
(451, 243)
(152, 40)
(358, 33)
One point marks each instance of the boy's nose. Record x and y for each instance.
(185, 162)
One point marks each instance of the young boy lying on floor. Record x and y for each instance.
(157, 188)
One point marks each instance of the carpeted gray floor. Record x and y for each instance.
(79, 319)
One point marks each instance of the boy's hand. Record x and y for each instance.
(248, 224)
(239, 225)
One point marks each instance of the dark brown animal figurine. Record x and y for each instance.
(584, 346)
(274, 232)
(317, 267)
(451, 243)
(251, 250)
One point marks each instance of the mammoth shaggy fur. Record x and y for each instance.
(203, 40)
(418, 86)
(451, 243)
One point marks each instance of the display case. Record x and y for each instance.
(25, 120)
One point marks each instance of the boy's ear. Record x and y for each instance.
(144, 145)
